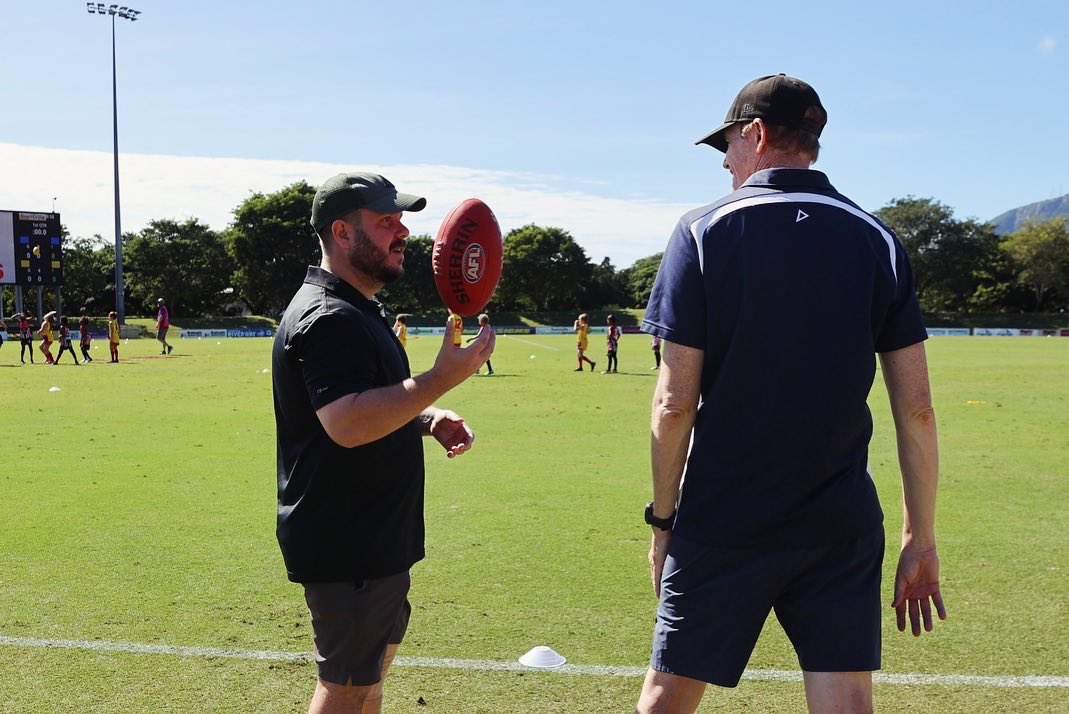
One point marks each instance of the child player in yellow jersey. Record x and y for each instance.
(46, 337)
(582, 328)
(113, 336)
(400, 328)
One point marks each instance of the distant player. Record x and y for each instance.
(484, 321)
(400, 328)
(612, 344)
(65, 341)
(84, 338)
(655, 345)
(113, 337)
(582, 329)
(46, 338)
(25, 336)
(163, 323)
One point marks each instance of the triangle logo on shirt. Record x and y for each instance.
(802, 215)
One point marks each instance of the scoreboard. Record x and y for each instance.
(31, 249)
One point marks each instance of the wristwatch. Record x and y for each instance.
(664, 524)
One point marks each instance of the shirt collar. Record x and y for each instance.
(332, 283)
(793, 178)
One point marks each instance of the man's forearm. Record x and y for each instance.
(669, 441)
(667, 474)
(918, 457)
(358, 419)
(675, 406)
(905, 372)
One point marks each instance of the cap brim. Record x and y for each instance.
(716, 138)
(398, 203)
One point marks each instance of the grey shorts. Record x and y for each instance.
(353, 624)
(714, 603)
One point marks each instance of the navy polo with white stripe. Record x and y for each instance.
(790, 290)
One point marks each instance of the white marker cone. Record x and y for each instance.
(542, 657)
(54, 389)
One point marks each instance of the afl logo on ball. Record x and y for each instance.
(474, 263)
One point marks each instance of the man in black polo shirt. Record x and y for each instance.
(772, 303)
(350, 420)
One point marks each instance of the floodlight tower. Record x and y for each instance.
(126, 13)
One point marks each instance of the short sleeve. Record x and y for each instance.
(336, 358)
(676, 309)
(904, 325)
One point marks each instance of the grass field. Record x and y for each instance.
(138, 510)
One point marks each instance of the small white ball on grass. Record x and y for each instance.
(532, 356)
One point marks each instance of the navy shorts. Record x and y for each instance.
(714, 602)
(353, 624)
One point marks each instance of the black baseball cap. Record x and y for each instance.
(778, 99)
(345, 193)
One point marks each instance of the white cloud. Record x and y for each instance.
(157, 186)
(1047, 44)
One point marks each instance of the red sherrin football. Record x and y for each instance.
(467, 257)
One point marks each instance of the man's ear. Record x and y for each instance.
(340, 227)
(341, 232)
(338, 230)
(760, 135)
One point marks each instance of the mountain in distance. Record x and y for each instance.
(1040, 211)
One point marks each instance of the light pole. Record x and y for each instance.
(126, 13)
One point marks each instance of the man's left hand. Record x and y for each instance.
(917, 583)
(451, 432)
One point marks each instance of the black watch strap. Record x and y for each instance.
(664, 524)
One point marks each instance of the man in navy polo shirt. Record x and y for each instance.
(772, 304)
(350, 420)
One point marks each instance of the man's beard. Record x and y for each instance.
(369, 259)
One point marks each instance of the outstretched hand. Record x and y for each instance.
(457, 363)
(917, 583)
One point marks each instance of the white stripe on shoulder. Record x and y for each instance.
(698, 227)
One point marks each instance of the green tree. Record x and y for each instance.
(604, 287)
(1040, 252)
(951, 259)
(185, 263)
(272, 245)
(415, 291)
(545, 269)
(999, 289)
(639, 279)
(88, 275)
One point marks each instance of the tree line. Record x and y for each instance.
(259, 261)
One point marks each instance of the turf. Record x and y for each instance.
(139, 508)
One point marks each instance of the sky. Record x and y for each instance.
(578, 115)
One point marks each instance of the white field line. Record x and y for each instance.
(955, 680)
(531, 342)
